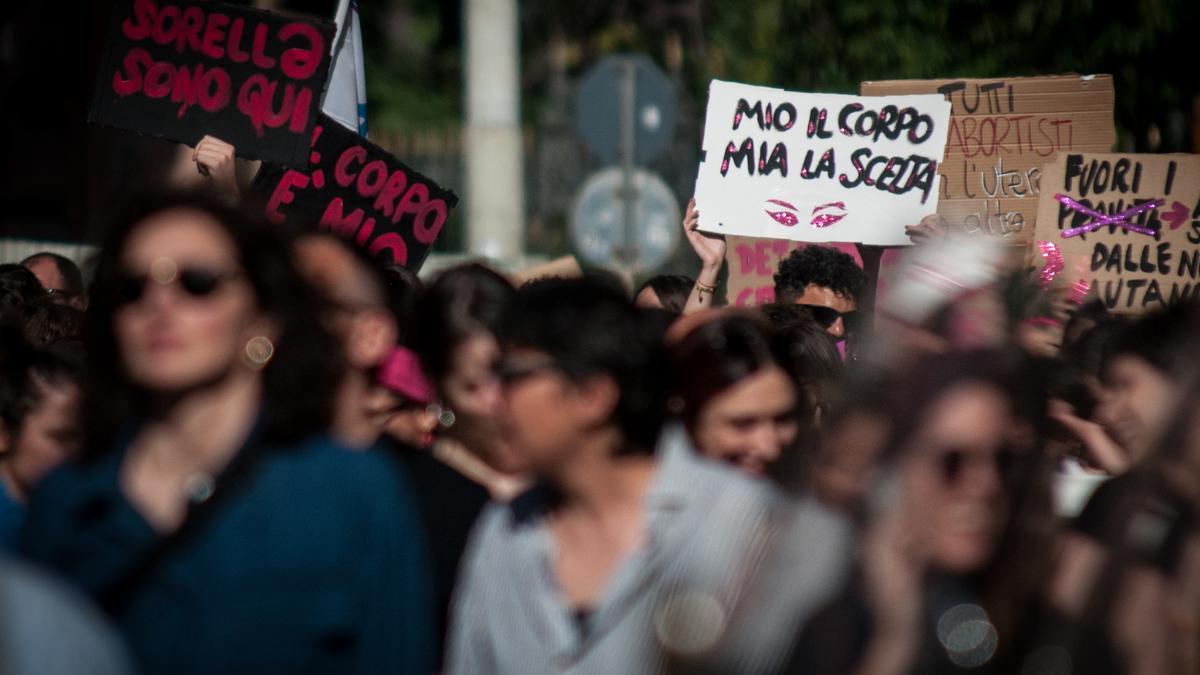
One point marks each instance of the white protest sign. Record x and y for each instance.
(819, 167)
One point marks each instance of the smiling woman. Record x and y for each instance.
(962, 492)
(735, 395)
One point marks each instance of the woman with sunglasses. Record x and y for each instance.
(958, 538)
(734, 393)
(211, 516)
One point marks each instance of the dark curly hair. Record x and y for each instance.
(300, 380)
(47, 322)
(819, 266)
(18, 287)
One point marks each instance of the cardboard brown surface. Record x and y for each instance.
(1131, 271)
(752, 264)
(1002, 132)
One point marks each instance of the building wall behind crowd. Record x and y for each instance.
(14, 250)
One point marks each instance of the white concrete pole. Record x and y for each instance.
(495, 190)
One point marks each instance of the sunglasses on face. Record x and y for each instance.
(827, 316)
(952, 464)
(196, 282)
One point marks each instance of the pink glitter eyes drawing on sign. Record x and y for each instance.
(788, 217)
(825, 215)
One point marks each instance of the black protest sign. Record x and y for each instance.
(359, 191)
(180, 69)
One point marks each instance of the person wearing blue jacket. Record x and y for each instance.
(211, 515)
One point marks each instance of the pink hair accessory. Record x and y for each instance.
(401, 372)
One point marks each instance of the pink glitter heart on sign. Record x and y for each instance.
(1054, 262)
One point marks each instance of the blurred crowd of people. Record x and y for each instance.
(244, 449)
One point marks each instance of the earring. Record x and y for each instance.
(258, 352)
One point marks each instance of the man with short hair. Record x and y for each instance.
(59, 276)
(825, 280)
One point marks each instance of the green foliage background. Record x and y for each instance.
(414, 49)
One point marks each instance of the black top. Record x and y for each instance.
(956, 638)
(449, 504)
(835, 640)
(1156, 521)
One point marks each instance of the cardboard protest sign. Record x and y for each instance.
(180, 69)
(818, 167)
(358, 190)
(1001, 133)
(752, 264)
(1128, 225)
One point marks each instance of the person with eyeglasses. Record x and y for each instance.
(60, 276)
(629, 548)
(211, 514)
(958, 531)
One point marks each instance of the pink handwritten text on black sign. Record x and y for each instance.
(182, 69)
(361, 192)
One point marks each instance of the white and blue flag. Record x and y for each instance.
(346, 95)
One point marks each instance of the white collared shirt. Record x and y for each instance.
(705, 528)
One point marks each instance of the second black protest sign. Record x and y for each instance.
(359, 191)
